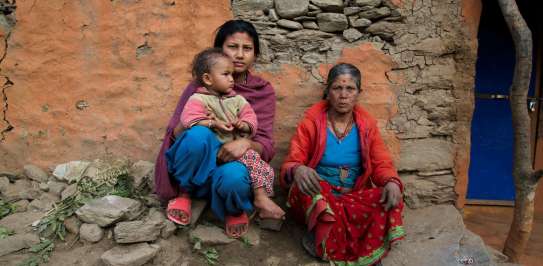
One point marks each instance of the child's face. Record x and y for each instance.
(220, 78)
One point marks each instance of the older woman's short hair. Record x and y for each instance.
(342, 69)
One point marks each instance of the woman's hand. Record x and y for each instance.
(233, 150)
(390, 196)
(307, 180)
(222, 127)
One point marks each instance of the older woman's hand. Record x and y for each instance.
(391, 195)
(307, 180)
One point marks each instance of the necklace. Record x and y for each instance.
(341, 135)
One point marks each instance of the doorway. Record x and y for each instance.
(490, 172)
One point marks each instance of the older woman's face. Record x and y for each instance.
(240, 47)
(343, 94)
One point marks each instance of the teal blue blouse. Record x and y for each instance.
(341, 154)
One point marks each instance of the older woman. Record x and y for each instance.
(342, 181)
(186, 166)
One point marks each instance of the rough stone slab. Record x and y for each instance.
(71, 171)
(68, 191)
(312, 25)
(139, 231)
(289, 24)
(17, 242)
(44, 203)
(210, 235)
(197, 208)
(142, 171)
(251, 5)
(91, 232)
(21, 222)
(332, 22)
(35, 173)
(351, 35)
(351, 10)
(56, 187)
(329, 5)
(109, 209)
(72, 225)
(434, 236)
(360, 23)
(384, 29)
(291, 8)
(420, 192)
(368, 2)
(375, 13)
(426, 154)
(21, 189)
(130, 255)
(309, 35)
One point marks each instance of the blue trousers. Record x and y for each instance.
(192, 160)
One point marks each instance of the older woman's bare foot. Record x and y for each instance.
(267, 207)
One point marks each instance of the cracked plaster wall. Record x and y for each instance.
(418, 66)
(97, 77)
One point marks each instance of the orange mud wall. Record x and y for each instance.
(89, 78)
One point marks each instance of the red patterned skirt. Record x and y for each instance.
(351, 228)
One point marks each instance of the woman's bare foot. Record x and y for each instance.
(267, 207)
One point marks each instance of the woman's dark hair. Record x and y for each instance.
(204, 61)
(234, 26)
(342, 69)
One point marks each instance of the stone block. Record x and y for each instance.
(109, 209)
(375, 13)
(312, 25)
(130, 255)
(332, 22)
(17, 242)
(329, 5)
(289, 24)
(351, 35)
(142, 171)
(91, 232)
(71, 171)
(426, 154)
(291, 8)
(372, 3)
(35, 173)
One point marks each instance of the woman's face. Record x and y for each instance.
(343, 94)
(240, 47)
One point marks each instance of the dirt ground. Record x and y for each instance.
(274, 248)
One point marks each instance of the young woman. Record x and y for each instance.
(227, 186)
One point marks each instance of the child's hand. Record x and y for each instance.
(224, 127)
(242, 126)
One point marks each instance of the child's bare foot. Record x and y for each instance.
(267, 208)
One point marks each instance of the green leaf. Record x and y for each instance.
(5, 232)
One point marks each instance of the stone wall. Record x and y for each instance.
(417, 59)
(84, 79)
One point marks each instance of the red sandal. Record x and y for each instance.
(241, 219)
(181, 204)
